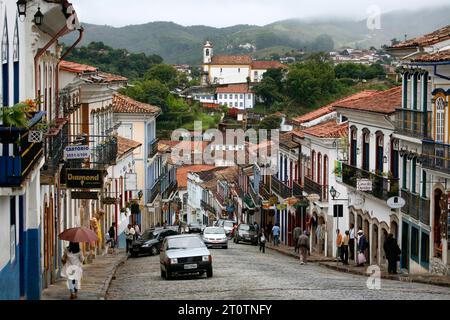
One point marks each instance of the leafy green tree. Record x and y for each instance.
(164, 73)
(270, 123)
(268, 90)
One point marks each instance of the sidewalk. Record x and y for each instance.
(96, 279)
(331, 263)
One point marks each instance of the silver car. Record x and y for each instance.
(215, 237)
(183, 255)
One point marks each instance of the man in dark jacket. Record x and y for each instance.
(392, 251)
(112, 235)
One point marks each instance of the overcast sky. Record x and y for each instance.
(221, 13)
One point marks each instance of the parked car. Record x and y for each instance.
(150, 241)
(215, 237)
(227, 225)
(194, 228)
(246, 233)
(185, 254)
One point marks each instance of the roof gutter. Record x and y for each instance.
(69, 50)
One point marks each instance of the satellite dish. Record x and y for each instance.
(396, 203)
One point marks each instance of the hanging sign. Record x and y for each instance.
(109, 201)
(84, 179)
(396, 203)
(77, 152)
(364, 185)
(84, 195)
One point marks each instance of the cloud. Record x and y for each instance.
(221, 13)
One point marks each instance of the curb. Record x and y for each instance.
(107, 283)
(290, 254)
(388, 277)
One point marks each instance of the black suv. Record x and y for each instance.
(150, 242)
(246, 233)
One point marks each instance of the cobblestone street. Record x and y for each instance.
(241, 272)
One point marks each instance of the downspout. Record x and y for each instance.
(41, 52)
(80, 37)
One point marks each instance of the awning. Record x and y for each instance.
(249, 203)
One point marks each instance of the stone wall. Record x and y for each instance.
(438, 267)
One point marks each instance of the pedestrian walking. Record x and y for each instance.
(362, 246)
(338, 244)
(276, 235)
(297, 233)
(112, 236)
(351, 243)
(256, 226)
(344, 248)
(303, 244)
(392, 251)
(129, 235)
(72, 268)
(262, 241)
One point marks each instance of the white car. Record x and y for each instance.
(215, 237)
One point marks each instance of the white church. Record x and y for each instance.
(224, 69)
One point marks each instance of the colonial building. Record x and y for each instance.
(238, 96)
(222, 69)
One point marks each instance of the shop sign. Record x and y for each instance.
(364, 185)
(396, 203)
(77, 152)
(84, 195)
(109, 201)
(84, 179)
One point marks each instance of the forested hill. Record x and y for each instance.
(180, 44)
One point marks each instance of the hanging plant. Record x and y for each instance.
(15, 116)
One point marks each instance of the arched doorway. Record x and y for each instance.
(374, 244)
(321, 230)
(366, 230)
(394, 229)
(439, 205)
(384, 235)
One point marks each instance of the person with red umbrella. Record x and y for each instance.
(73, 257)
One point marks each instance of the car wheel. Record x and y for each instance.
(154, 251)
(225, 247)
(163, 274)
(209, 273)
(134, 255)
(168, 275)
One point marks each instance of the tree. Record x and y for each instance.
(270, 123)
(323, 43)
(164, 73)
(268, 90)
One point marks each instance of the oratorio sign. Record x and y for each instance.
(313, 197)
(84, 179)
(396, 203)
(77, 152)
(364, 185)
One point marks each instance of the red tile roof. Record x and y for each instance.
(380, 102)
(329, 129)
(232, 60)
(264, 65)
(429, 39)
(193, 145)
(76, 67)
(234, 88)
(441, 56)
(124, 104)
(182, 173)
(125, 145)
(109, 77)
(329, 108)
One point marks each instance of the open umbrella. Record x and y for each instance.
(78, 235)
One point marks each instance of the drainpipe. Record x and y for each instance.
(80, 37)
(41, 52)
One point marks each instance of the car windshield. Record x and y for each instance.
(214, 231)
(149, 235)
(185, 243)
(193, 225)
(228, 224)
(246, 227)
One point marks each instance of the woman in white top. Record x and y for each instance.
(73, 268)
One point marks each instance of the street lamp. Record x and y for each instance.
(38, 17)
(333, 192)
(140, 194)
(22, 7)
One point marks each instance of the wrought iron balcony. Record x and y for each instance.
(312, 187)
(106, 153)
(280, 188)
(383, 188)
(416, 207)
(413, 123)
(18, 156)
(153, 148)
(154, 192)
(436, 156)
(207, 207)
(253, 194)
(169, 183)
(297, 190)
(55, 142)
(264, 191)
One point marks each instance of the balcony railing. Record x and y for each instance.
(153, 192)
(312, 187)
(207, 207)
(416, 207)
(413, 123)
(297, 190)
(280, 188)
(382, 188)
(264, 191)
(106, 153)
(436, 156)
(254, 195)
(55, 143)
(18, 156)
(153, 148)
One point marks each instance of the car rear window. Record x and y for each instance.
(246, 227)
(228, 224)
(185, 243)
(214, 231)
